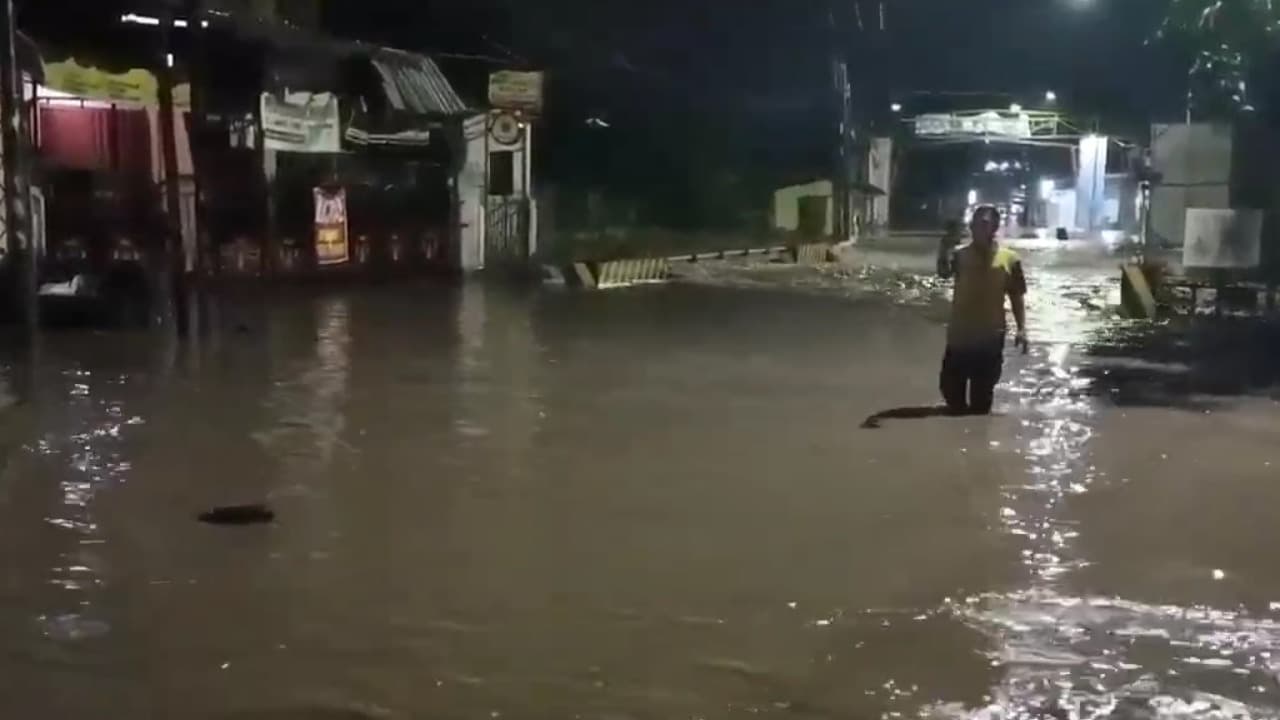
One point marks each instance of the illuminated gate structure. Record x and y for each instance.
(1086, 199)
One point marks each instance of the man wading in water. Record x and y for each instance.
(985, 273)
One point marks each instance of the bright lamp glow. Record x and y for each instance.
(135, 19)
(1050, 96)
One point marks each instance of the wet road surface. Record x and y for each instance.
(635, 504)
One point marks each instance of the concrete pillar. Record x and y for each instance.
(1091, 182)
(471, 182)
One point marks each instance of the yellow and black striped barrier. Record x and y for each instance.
(812, 253)
(626, 273)
(617, 273)
(1137, 296)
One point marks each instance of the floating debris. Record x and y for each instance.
(238, 515)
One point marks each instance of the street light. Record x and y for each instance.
(896, 107)
(1050, 96)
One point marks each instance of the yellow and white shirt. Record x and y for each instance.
(984, 277)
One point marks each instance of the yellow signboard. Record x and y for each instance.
(135, 86)
(512, 90)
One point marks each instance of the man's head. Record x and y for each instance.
(985, 223)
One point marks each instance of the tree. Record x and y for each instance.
(1226, 41)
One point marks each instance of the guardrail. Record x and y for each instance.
(643, 271)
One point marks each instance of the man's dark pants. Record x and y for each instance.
(970, 374)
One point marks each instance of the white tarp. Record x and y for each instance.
(1091, 183)
(1228, 239)
(1195, 164)
(301, 122)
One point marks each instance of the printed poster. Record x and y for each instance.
(331, 226)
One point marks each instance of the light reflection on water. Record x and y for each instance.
(76, 450)
(1074, 657)
(1063, 655)
(305, 403)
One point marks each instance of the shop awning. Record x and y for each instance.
(136, 86)
(400, 130)
(409, 83)
(413, 83)
(418, 99)
(62, 75)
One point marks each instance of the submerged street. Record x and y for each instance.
(644, 503)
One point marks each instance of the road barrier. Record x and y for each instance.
(812, 253)
(1136, 294)
(727, 254)
(1147, 292)
(627, 273)
(613, 273)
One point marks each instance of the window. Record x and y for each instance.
(502, 173)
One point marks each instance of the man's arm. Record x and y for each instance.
(1018, 300)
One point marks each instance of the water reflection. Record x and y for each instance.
(1060, 652)
(306, 399)
(650, 503)
(1072, 656)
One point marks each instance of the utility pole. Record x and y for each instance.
(169, 267)
(843, 97)
(17, 186)
(197, 57)
(266, 10)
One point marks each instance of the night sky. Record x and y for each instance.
(768, 53)
(745, 85)
(696, 89)
(761, 56)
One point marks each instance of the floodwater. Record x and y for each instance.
(650, 503)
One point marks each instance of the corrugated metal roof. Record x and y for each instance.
(414, 84)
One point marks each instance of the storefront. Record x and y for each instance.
(354, 147)
(96, 136)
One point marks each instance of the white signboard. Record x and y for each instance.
(1228, 239)
(512, 90)
(301, 122)
(987, 123)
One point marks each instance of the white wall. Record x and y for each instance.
(1195, 161)
(786, 204)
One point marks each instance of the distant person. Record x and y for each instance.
(985, 274)
(952, 236)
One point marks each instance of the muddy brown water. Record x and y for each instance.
(651, 503)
